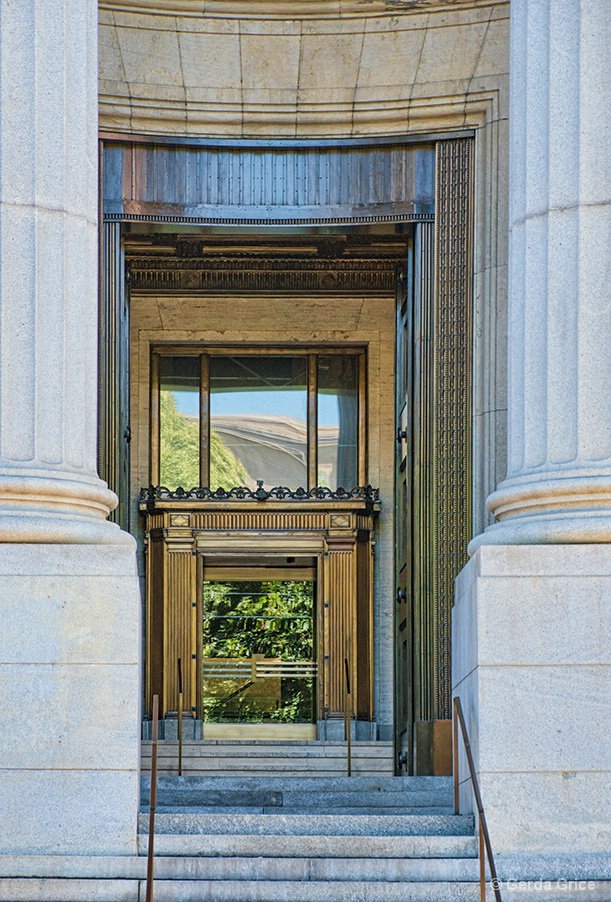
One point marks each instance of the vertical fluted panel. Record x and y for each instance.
(340, 632)
(559, 305)
(180, 641)
(48, 253)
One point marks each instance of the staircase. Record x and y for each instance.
(219, 758)
(309, 839)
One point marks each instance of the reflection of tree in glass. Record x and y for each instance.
(179, 451)
(272, 618)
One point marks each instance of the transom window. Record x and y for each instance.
(230, 417)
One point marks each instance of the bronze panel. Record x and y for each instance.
(113, 371)
(313, 184)
(453, 391)
(433, 468)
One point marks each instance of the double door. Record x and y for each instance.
(270, 606)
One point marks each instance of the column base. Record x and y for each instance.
(568, 507)
(532, 666)
(57, 507)
(70, 672)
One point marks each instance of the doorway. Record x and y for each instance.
(260, 655)
(186, 244)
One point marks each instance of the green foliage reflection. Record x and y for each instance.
(179, 451)
(270, 618)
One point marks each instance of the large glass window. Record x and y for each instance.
(338, 421)
(179, 438)
(258, 411)
(225, 419)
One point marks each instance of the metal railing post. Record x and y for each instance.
(455, 760)
(484, 844)
(482, 863)
(152, 803)
(179, 717)
(348, 716)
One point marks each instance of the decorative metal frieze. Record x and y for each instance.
(277, 220)
(267, 265)
(260, 519)
(153, 493)
(187, 274)
(453, 391)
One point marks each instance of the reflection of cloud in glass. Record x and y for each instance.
(284, 403)
(270, 448)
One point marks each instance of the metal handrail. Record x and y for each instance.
(152, 804)
(484, 837)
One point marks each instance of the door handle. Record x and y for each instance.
(401, 595)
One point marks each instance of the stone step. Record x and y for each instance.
(353, 870)
(283, 824)
(271, 758)
(303, 784)
(306, 810)
(313, 891)
(263, 746)
(348, 795)
(117, 890)
(167, 844)
(317, 800)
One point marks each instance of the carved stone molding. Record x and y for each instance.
(287, 9)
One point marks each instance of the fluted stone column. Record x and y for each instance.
(531, 626)
(558, 485)
(69, 607)
(532, 618)
(49, 488)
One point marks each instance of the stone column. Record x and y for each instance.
(49, 488)
(532, 619)
(558, 485)
(69, 643)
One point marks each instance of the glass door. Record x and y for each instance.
(259, 653)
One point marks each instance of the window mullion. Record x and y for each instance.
(362, 420)
(204, 421)
(312, 420)
(154, 462)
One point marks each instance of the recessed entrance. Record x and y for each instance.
(316, 296)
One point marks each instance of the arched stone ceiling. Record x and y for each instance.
(332, 68)
(284, 9)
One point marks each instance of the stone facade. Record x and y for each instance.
(545, 750)
(68, 578)
(531, 632)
